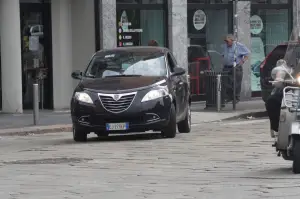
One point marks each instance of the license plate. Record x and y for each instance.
(117, 126)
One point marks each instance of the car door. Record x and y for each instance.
(178, 86)
(185, 89)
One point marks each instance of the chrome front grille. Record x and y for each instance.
(116, 103)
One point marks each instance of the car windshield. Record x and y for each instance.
(126, 64)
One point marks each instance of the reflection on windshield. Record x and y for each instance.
(120, 65)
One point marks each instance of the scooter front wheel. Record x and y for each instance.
(296, 157)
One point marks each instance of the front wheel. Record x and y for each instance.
(79, 135)
(296, 156)
(170, 130)
(185, 125)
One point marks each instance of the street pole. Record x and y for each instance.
(35, 103)
(235, 52)
(219, 89)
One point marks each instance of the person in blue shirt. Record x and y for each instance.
(232, 48)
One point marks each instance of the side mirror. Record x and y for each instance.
(76, 74)
(178, 71)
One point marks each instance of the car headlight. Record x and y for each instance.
(298, 80)
(155, 94)
(83, 97)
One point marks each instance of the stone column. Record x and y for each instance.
(108, 24)
(178, 36)
(244, 36)
(11, 65)
(296, 13)
(83, 34)
(62, 53)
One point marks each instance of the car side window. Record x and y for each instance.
(172, 62)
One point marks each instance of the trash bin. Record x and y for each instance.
(212, 89)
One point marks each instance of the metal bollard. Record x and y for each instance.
(219, 88)
(234, 87)
(35, 104)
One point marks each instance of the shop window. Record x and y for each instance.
(206, 29)
(139, 24)
(152, 1)
(269, 27)
(209, 1)
(270, 1)
(208, 22)
(127, 1)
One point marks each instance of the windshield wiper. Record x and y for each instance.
(123, 75)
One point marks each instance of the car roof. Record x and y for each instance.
(146, 49)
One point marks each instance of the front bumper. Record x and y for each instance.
(146, 116)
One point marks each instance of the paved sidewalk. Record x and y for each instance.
(60, 121)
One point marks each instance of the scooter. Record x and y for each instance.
(287, 140)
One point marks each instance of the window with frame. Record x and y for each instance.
(270, 26)
(141, 21)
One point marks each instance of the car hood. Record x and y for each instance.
(119, 83)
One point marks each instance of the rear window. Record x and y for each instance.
(276, 54)
(271, 60)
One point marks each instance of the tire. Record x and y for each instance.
(79, 135)
(185, 125)
(296, 157)
(170, 130)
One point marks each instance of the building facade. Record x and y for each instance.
(52, 38)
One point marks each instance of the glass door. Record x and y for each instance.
(36, 53)
(207, 24)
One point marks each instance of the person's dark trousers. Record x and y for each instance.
(273, 107)
(229, 82)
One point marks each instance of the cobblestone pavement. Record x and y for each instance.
(232, 160)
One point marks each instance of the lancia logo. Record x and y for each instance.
(116, 97)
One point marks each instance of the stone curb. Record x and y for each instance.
(36, 130)
(257, 114)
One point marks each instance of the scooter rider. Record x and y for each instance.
(273, 103)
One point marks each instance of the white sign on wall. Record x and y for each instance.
(199, 19)
(256, 24)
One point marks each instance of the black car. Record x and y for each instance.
(266, 68)
(131, 89)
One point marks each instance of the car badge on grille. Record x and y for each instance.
(116, 97)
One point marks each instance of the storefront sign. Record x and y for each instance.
(125, 35)
(256, 24)
(199, 19)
